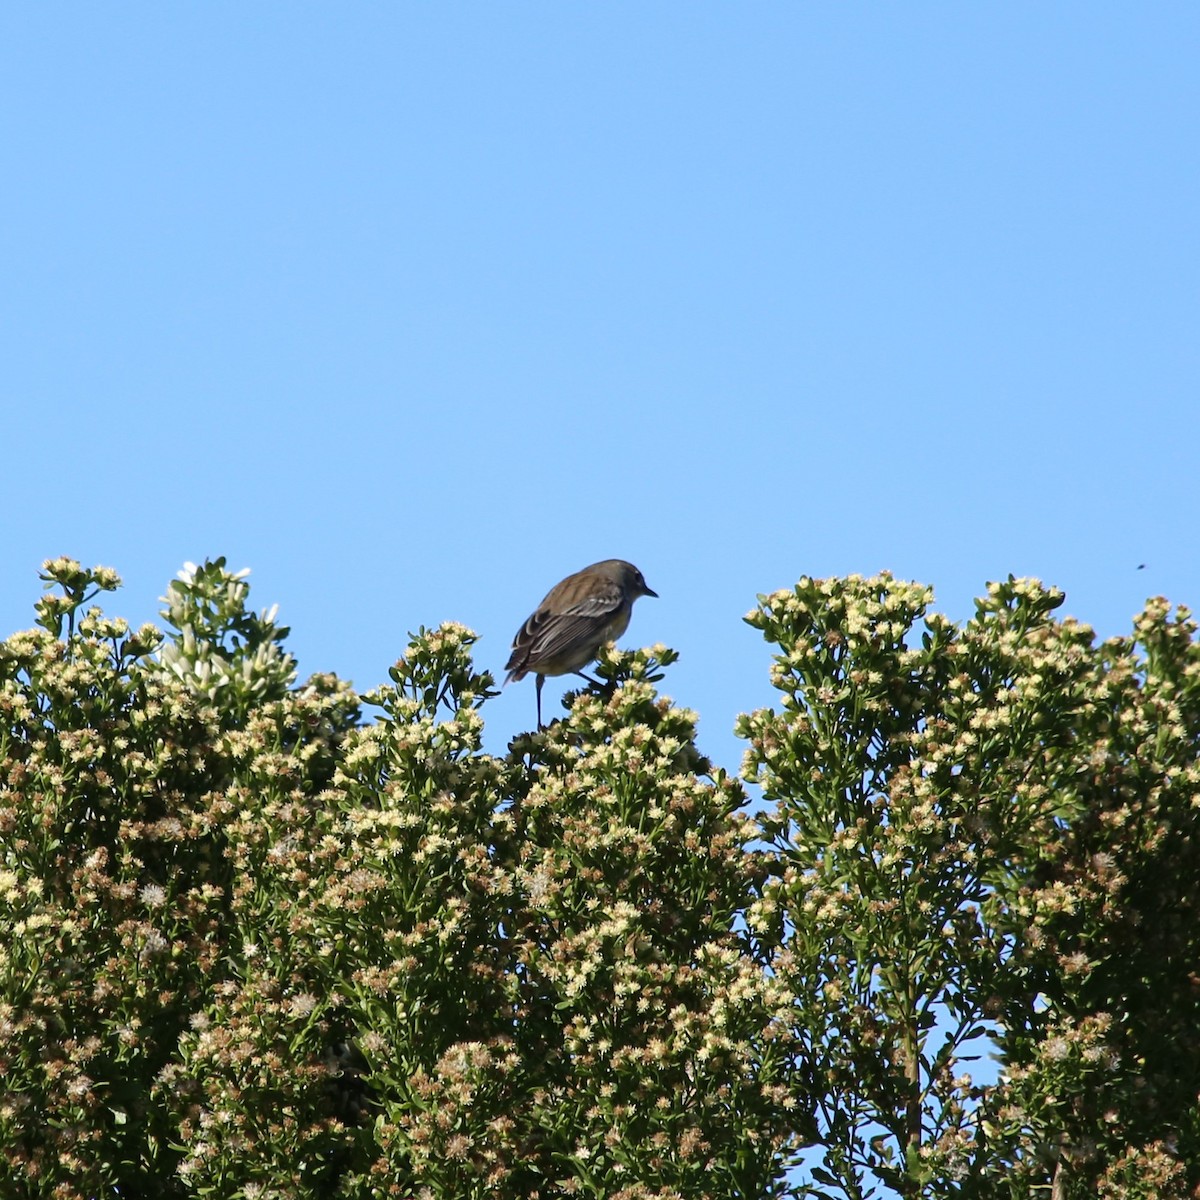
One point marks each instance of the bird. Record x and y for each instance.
(575, 619)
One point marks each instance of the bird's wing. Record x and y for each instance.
(547, 634)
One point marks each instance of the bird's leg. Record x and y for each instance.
(540, 680)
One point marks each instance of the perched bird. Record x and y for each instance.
(575, 619)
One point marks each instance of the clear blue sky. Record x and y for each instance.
(414, 309)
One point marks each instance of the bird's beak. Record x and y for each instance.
(649, 592)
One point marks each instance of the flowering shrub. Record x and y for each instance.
(252, 945)
(985, 837)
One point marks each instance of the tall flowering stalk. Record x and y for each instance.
(138, 807)
(1102, 1088)
(541, 953)
(665, 1061)
(953, 811)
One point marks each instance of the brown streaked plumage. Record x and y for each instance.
(575, 619)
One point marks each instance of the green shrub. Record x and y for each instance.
(253, 943)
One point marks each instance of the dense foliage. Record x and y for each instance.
(262, 937)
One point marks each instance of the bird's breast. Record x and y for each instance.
(618, 624)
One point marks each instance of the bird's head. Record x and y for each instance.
(630, 580)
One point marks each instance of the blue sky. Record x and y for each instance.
(414, 309)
